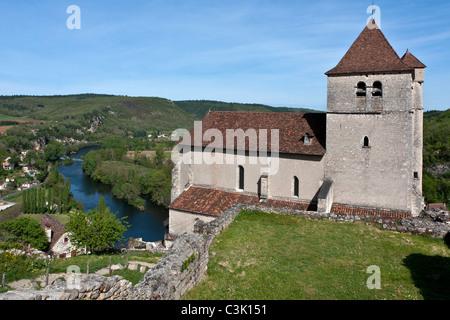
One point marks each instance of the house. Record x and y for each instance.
(3, 185)
(26, 185)
(436, 207)
(58, 239)
(7, 166)
(363, 156)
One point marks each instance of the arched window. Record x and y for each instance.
(377, 89)
(241, 177)
(361, 90)
(296, 186)
(366, 142)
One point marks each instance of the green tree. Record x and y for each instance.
(26, 230)
(96, 230)
(157, 184)
(25, 201)
(159, 155)
(53, 151)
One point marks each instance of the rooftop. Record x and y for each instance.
(371, 52)
(213, 202)
(292, 127)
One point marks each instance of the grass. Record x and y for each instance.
(96, 262)
(6, 117)
(263, 256)
(63, 218)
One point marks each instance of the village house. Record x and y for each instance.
(363, 156)
(7, 166)
(437, 207)
(58, 239)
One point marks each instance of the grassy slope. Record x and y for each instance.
(199, 108)
(118, 111)
(269, 256)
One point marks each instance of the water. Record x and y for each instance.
(147, 224)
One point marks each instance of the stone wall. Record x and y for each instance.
(180, 269)
(184, 265)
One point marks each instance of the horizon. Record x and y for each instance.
(246, 52)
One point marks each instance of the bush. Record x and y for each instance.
(25, 230)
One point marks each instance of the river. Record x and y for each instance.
(147, 224)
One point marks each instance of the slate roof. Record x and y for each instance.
(213, 202)
(371, 52)
(292, 127)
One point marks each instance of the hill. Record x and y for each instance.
(112, 115)
(199, 108)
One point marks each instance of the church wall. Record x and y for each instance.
(342, 97)
(308, 169)
(378, 175)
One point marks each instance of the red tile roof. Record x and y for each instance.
(371, 52)
(214, 202)
(409, 59)
(395, 214)
(292, 127)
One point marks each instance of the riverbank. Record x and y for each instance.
(147, 224)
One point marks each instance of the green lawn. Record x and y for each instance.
(6, 117)
(265, 256)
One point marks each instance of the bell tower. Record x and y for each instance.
(374, 126)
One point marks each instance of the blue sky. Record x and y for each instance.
(270, 52)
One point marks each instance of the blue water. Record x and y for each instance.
(147, 224)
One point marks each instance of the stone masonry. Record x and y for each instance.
(184, 265)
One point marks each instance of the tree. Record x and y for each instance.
(53, 151)
(26, 230)
(157, 184)
(159, 155)
(96, 230)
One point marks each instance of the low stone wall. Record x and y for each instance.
(180, 269)
(184, 265)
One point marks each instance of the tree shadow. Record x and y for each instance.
(431, 274)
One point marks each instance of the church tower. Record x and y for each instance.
(374, 126)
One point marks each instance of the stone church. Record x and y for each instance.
(363, 156)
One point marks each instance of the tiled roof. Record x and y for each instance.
(371, 52)
(437, 206)
(409, 59)
(292, 127)
(58, 229)
(344, 209)
(214, 202)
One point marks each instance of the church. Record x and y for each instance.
(363, 156)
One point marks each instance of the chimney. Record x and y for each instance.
(48, 233)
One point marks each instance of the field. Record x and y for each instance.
(263, 256)
(10, 120)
